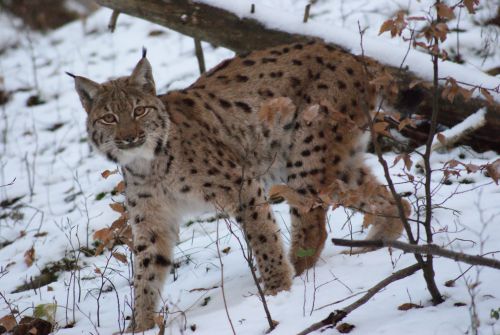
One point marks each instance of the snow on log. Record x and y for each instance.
(232, 25)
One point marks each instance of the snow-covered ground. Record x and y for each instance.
(62, 197)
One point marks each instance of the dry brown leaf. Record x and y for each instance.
(345, 328)
(396, 160)
(451, 89)
(302, 203)
(471, 168)
(467, 94)
(408, 161)
(117, 207)
(406, 122)
(368, 219)
(120, 223)
(407, 306)
(470, 4)
(120, 187)
(445, 11)
(99, 250)
(420, 44)
(159, 320)
(106, 173)
(488, 96)
(444, 54)
(493, 170)
(381, 128)
(29, 256)
(386, 26)
(121, 257)
(441, 32)
(452, 163)
(102, 234)
(8, 322)
(441, 138)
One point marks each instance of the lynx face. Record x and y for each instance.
(126, 121)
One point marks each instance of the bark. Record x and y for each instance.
(223, 28)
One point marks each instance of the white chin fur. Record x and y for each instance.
(142, 153)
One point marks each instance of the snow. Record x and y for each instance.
(473, 121)
(466, 126)
(58, 177)
(387, 52)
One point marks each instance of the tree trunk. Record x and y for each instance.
(223, 28)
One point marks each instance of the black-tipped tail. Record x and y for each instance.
(144, 52)
(70, 74)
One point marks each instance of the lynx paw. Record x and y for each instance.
(278, 284)
(139, 327)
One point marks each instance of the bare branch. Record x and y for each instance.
(427, 249)
(199, 55)
(333, 318)
(112, 21)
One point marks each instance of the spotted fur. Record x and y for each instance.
(209, 146)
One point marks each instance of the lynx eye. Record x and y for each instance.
(140, 111)
(108, 119)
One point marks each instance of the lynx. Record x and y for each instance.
(293, 114)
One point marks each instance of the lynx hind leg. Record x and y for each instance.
(264, 237)
(381, 212)
(308, 237)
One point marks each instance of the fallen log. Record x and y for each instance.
(223, 28)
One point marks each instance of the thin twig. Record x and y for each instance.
(198, 50)
(222, 280)
(429, 269)
(9, 184)
(112, 21)
(306, 12)
(428, 249)
(426, 265)
(333, 318)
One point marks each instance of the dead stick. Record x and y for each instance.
(333, 318)
(199, 55)
(306, 12)
(429, 249)
(112, 20)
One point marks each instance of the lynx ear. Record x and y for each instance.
(87, 90)
(142, 75)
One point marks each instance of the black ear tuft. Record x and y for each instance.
(144, 52)
(70, 74)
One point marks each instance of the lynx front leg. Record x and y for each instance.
(154, 240)
(263, 235)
